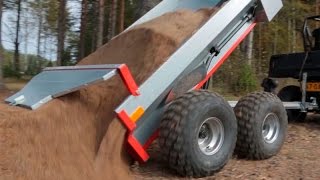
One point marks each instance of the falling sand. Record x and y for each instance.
(78, 136)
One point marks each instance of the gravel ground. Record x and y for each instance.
(298, 159)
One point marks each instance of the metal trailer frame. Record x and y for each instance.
(302, 105)
(210, 46)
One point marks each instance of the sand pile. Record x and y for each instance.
(77, 136)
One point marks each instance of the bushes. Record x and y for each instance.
(246, 81)
(8, 71)
(237, 81)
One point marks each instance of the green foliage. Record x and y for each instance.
(8, 68)
(246, 81)
(281, 35)
(130, 12)
(32, 68)
(51, 16)
(278, 36)
(48, 9)
(8, 71)
(35, 65)
(30, 65)
(70, 53)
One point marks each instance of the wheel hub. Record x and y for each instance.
(270, 128)
(211, 136)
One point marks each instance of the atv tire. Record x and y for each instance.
(198, 134)
(262, 126)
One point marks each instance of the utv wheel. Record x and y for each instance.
(198, 134)
(262, 126)
(290, 94)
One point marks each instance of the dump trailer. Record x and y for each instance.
(196, 129)
(303, 67)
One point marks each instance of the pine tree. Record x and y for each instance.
(17, 43)
(112, 19)
(83, 29)
(61, 31)
(101, 23)
(122, 15)
(1, 48)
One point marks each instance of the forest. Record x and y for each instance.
(41, 33)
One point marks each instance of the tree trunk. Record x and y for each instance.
(260, 30)
(122, 15)
(289, 35)
(61, 31)
(45, 45)
(95, 29)
(275, 42)
(109, 35)
(100, 23)
(112, 19)
(26, 39)
(1, 49)
(250, 48)
(40, 22)
(294, 33)
(83, 29)
(16, 43)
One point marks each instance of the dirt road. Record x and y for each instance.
(299, 159)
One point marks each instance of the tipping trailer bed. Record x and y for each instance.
(207, 49)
